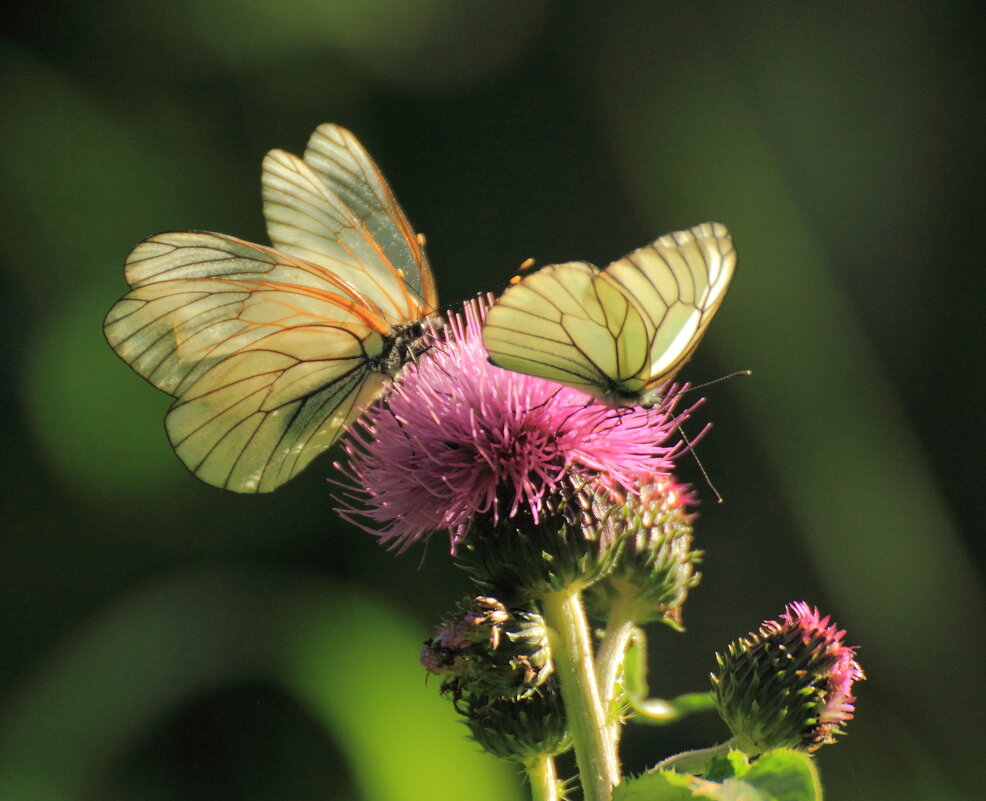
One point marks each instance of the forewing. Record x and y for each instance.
(676, 283)
(554, 324)
(198, 298)
(267, 363)
(367, 221)
(201, 254)
(306, 219)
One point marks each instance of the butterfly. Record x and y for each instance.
(618, 333)
(271, 352)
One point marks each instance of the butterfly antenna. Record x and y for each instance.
(684, 437)
(718, 380)
(521, 271)
(701, 467)
(689, 445)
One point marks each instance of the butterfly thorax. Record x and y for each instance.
(405, 344)
(616, 395)
(619, 394)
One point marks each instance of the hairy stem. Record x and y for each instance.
(543, 777)
(612, 650)
(693, 761)
(571, 649)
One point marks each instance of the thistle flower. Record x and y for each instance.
(788, 684)
(459, 440)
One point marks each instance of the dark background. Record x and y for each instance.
(161, 640)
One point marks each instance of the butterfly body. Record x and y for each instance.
(619, 333)
(404, 345)
(271, 352)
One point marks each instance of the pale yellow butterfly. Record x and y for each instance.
(619, 333)
(271, 353)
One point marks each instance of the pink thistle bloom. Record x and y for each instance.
(841, 671)
(458, 437)
(788, 684)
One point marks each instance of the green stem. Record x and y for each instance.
(571, 649)
(620, 630)
(693, 761)
(613, 648)
(543, 777)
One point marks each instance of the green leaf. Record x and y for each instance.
(658, 785)
(780, 775)
(664, 785)
(733, 765)
(787, 775)
(734, 790)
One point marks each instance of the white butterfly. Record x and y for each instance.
(271, 353)
(619, 333)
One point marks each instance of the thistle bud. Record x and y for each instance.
(788, 684)
(496, 666)
(486, 651)
(529, 727)
(654, 564)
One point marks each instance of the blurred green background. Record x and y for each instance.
(164, 640)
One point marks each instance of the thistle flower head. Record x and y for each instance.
(458, 439)
(654, 565)
(788, 684)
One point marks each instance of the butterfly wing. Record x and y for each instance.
(621, 332)
(269, 357)
(335, 209)
(559, 323)
(270, 354)
(677, 284)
